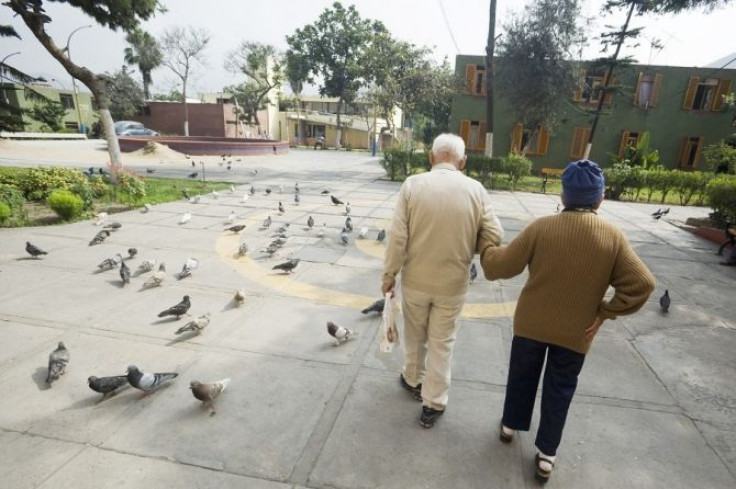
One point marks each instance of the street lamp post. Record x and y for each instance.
(74, 80)
(5, 93)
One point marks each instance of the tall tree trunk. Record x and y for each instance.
(184, 99)
(146, 85)
(338, 130)
(606, 81)
(490, 47)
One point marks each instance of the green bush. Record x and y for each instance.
(516, 167)
(13, 199)
(394, 162)
(131, 186)
(483, 167)
(720, 158)
(689, 183)
(617, 180)
(39, 183)
(721, 194)
(66, 204)
(5, 212)
(98, 186)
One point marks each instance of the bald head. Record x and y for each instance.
(448, 148)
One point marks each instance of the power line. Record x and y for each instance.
(447, 24)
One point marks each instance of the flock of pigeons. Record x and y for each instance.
(148, 382)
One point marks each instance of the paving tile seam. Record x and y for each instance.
(713, 449)
(32, 321)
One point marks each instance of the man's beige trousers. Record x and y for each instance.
(430, 329)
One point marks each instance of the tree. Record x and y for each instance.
(144, 53)
(536, 71)
(297, 72)
(49, 114)
(337, 49)
(109, 13)
(173, 96)
(262, 66)
(435, 108)
(247, 102)
(126, 96)
(183, 52)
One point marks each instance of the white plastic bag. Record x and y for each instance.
(389, 330)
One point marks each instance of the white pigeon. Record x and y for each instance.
(185, 218)
(195, 199)
(146, 208)
(231, 218)
(232, 189)
(245, 198)
(195, 326)
(215, 194)
(341, 335)
(158, 276)
(189, 266)
(363, 232)
(146, 266)
(239, 297)
(100, 218)
(347, 209)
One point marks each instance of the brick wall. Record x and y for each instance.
(204, 119)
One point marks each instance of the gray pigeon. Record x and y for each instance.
(34, 251)
(196, 326)
(344, 237)
(189, 266)
(113, 226)
(349, 224)
(297, 199)
(148, 382)
(132, 252)
(473, 273)
(146, 266)
(287, 266)
(110, 263)
(347, 209)
(381, 235)
(375, 307)
(310, 222)
(281, 207)
(335, 200)
(252, 190)
(236, 229)
(342, 335)
(124, 273)
(178, 310)
(208, 392)
(107, 386)
(100, 237)
(664, 302)
(58, 360)
(157, 278)
(242, 249)
(266, 222)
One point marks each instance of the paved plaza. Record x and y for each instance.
(656, 402)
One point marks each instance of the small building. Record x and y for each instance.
(681, 108)
(80, 107)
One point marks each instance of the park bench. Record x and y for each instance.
(546, 172)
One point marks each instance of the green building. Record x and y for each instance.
(18, 96)
(681, 108)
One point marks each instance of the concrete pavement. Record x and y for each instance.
(656, 404)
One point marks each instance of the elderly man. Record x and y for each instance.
(573, 257)
(442, 217)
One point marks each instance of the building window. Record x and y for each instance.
(314, 130)
(534, 140)
(690, 154)
(474, 134)
(580, 137)
(67, 101)
(72, 126)
(591, 89)
(475, 76)
(629, 139)
(647, 90)
(705, 94)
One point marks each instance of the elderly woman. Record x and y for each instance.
(573, 257)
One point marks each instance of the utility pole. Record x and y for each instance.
(489, 79)
(74, 80)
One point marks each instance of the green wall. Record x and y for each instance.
(668, 123)
(18, 98)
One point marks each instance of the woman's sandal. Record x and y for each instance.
(541, 473)
(503, 436)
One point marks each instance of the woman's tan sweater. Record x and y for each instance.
(572, 257)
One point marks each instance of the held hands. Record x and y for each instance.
(591, 330)
(388, 286)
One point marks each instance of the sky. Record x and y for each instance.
(692, 38)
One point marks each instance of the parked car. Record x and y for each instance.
(121, 126)
(139, 131)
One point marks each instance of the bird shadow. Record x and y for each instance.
(167, 319)
(101, 270)
(119, 283)
(182, 337)
(24, 258)
(39, 377)
(231, 304)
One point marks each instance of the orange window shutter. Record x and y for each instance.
(470, 78)
(692, 87)
(543, 141)
(608, 98)
(697, 152)
(656, 88)
(465, 132)
(622, 146)
(516, 136)
(724, 87)
(577, 139)
(481, 136)
(483, 90)
(638, 88)
(683, 152)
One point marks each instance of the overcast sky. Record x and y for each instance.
(690, 39)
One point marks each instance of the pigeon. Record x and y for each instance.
(146, 208)
(363, 232)
(193, 175)
(236, 229)
(252, 190)
(124, 273)
(195, 199)
(342, 335)
(231, 218)
(239, 297)
(347, 209)
(381, 235)
(254, 172)
(215, 194)
(58, 360)
(178, 310)
(113, 226)
(107, 386)
(100, 218)
(344, 237)
(245, 198)
(664, 302)
(266, 222)
(658, 212)
(321, 232)
(297, 199)
(194, 165)
(146, 266)
(473, 273)
(110, 263)
(189, 266)
(375, 307)
(185, 218)
(335, 200)
(208, 392)
(658, 217)
(271, 249)
(325, 192)
(283, 228)
(100, 237)
(242, 249)
(281, 208)
(666, 211)
(33, 250)
(196, 326)
(310, 222)
(148, 382)
(287, 266)
(158, 276)
(349, 224)
(132, 252)
(296, 187)
(232, 189)
(187, 156)
(268, 191)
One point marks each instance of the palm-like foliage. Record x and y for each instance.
(144, 53)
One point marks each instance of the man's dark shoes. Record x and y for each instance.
(728, 263)
(429, 416)
(416, 392)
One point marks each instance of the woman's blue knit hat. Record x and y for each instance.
(582, 183)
